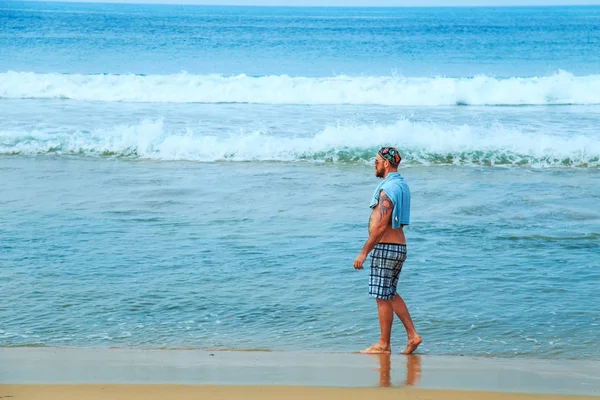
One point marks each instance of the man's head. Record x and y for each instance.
(386, 161)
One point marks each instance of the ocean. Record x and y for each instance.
(176, 177)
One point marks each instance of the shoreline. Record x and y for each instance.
(27, 371)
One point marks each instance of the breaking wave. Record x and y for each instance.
(420, 144)
(559, 89)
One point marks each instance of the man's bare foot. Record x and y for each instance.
(412, 345)
(376, 349)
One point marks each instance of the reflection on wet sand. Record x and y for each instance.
(413, 369)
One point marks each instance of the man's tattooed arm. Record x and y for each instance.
(385, 208)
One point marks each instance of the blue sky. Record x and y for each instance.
(365, 2)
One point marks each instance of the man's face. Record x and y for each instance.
(379, 166)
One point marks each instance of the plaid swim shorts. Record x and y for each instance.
(386, 264)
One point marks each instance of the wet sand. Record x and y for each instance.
(65, 373)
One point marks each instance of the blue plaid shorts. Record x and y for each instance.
(386, 264)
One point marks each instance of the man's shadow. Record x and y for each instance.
(413, 370)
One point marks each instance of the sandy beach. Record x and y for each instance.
(93, 392)
(71, 373)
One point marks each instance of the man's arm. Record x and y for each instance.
(380, 218)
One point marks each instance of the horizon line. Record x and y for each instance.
(180, 3)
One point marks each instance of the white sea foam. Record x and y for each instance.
(420, 143)
(557, 89)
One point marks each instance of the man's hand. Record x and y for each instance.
(359, 261)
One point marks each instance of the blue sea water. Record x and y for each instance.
(199, 177)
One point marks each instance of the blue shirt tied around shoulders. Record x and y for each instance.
(396, 188)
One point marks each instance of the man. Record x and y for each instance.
(391, 211)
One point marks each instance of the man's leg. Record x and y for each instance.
(414, 340)
(386, 318)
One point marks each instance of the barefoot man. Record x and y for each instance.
(391, 211)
